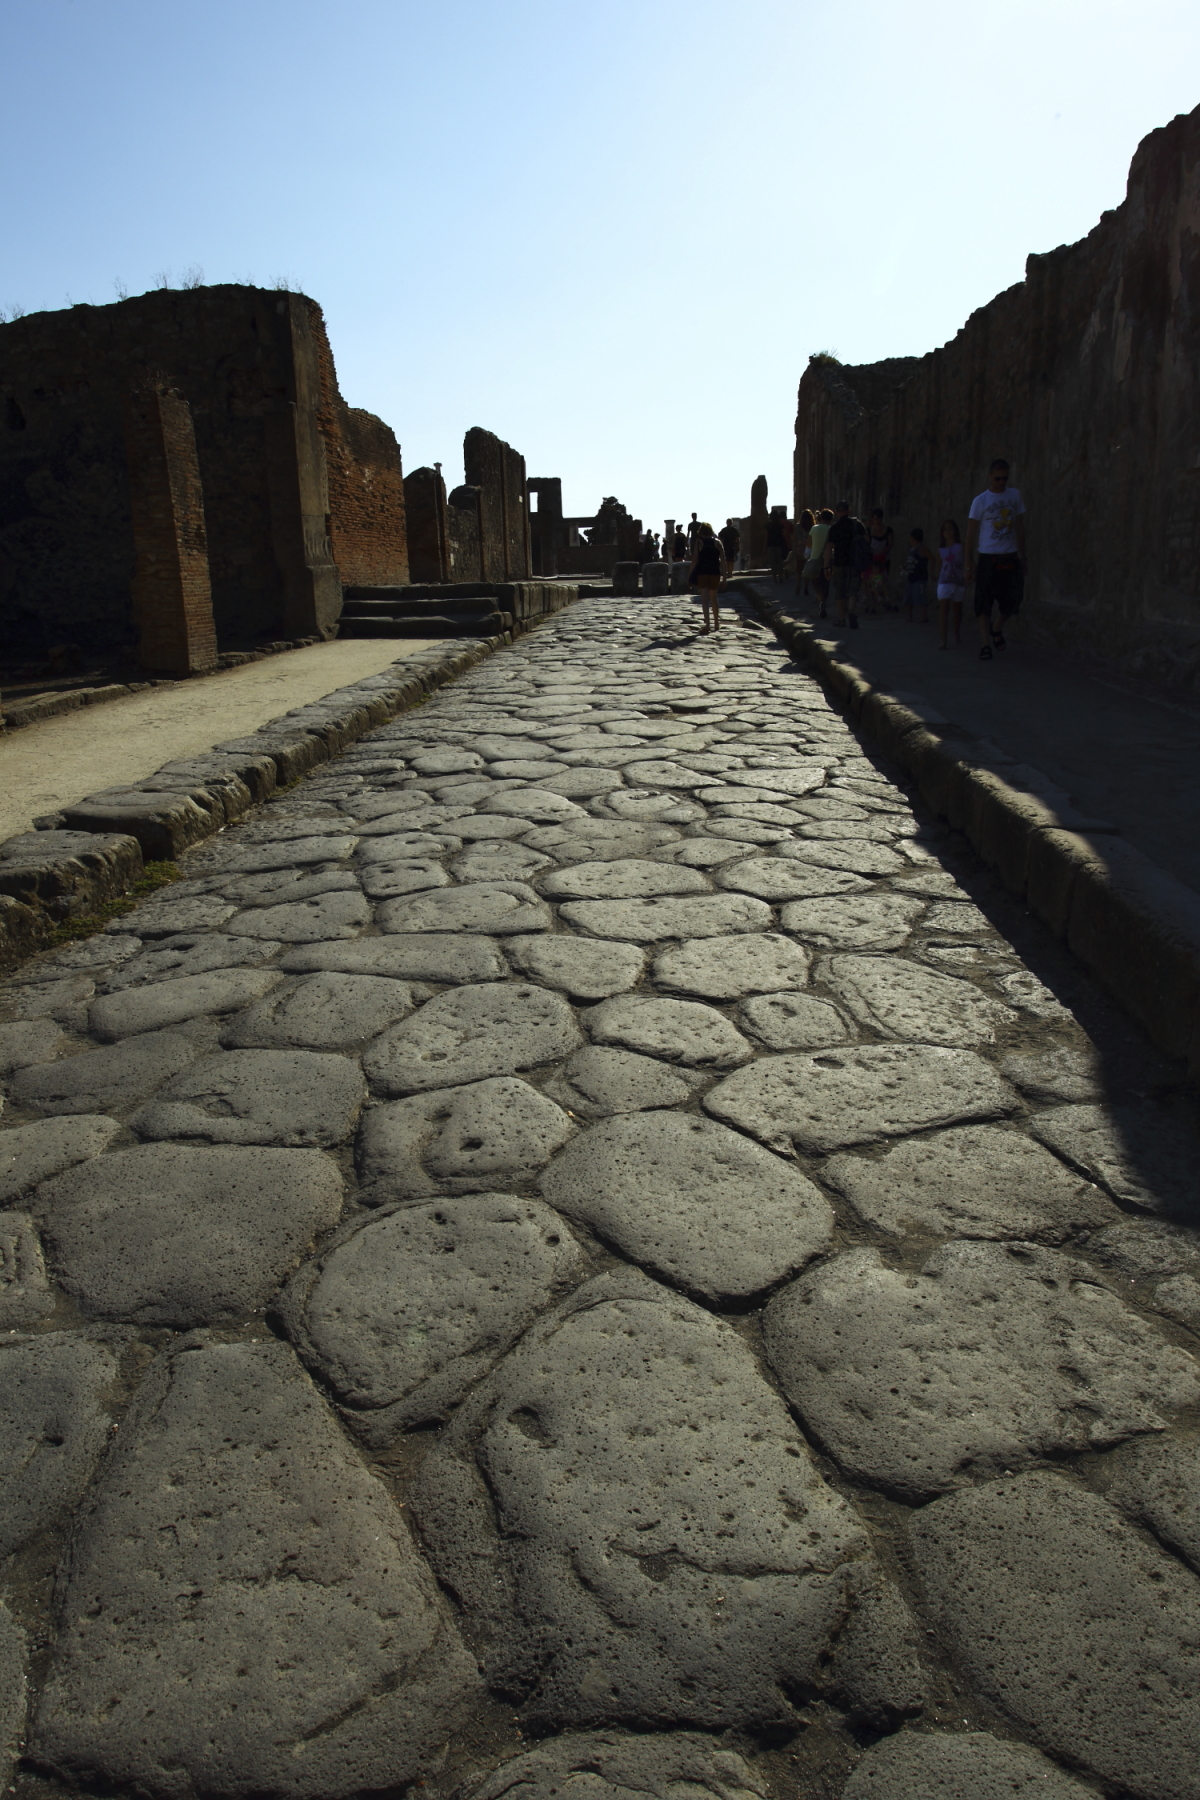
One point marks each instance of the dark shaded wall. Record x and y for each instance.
(498, 471)
(547, 531)
(1087, 377)
(367, 524)
(464, 534)
(172, 594)
(425, 509)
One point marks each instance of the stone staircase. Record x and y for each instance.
(470, 608)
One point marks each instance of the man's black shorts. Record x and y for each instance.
(999, 581)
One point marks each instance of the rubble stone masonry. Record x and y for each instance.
(172, 594)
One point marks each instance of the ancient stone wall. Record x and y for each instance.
(172, 594)
(464, 534)
(1087, 377)
(367, 515)
(498, 471)
(425, 516)
(754, 541)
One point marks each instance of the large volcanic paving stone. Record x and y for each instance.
(864, 858)
(301, 1098)
(388, 880)
(168, 913)
(538, 805)
(728, 968)
(13, 1694)
(704, 852)
(596, 1081)
(25, 1042)
(597, 1765)
(641, 805)
(279, 886)
(165, 1003)
(500, 906)
(33, 1153)
(108, 1080)
(785, 776)
(406, 846)
(792, 1021)
(858, 1095)
(649, 921)
(677, 1030)
(419, 956)
(774, 879)
(492, 862)
(694, 1203)
(1139, 1155)
(470, 1033)
(599, 840)
(189, 954)
(737, 827)
(241, 856)
(53, 1426)
(492, 828)
(326, 1011)
(1060, 1073)
(900, 999)
(993, 1355)
(1081, 1630)
(1164, 1255)
(978, 1182)
(631, 878)
(653, 1543)
(168, 1234)
(856, 922)
(455, 1140)
(25, 1295)
(402, 1315)
(246, 1612)
(963, 1765)
(581, 783)
(1157, 1482)
(586, 968)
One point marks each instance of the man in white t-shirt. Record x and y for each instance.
(995, 555)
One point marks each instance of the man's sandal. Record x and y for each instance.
(998, 639)
(985, 655)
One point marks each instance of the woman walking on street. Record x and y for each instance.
(877, 574)
(814, 568)
(708, 571)
(951, 582)
(916, 576)
(803, 542)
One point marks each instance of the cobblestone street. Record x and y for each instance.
(587, 1248)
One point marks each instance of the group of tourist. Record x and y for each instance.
(835, 553)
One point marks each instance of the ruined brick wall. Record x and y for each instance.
(172, 594)
(367, 518)
(498, 471)
(1087, 377)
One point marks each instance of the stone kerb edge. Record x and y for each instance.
(161, 818)
(1135, 927)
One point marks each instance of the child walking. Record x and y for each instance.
(951, 581)
(916, 576)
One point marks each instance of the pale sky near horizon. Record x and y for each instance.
(611, 233)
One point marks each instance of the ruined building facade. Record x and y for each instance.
(1087, 377)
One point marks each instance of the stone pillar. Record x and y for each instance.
(172, 597)
(298, 491)
(757, 547)
(428, 529)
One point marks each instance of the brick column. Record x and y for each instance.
(172, 599)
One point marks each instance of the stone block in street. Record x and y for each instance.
(54, 1424)
(792, 1021)
(597, 1081)
(25, 1294)
(728, 968)
(1059, 1073)
(856, 922)
(324, 1011)
(33, 1153)
(26, 1042)
(585, 968)
(1163, 1255)
(13, 1692)
(864, 858)
(959, 1765)
(403, 956)
(111, 1079)
(775, 879)
(389, 880)
(1156, 1482)
(629, 879)
(681, 1031)
(900, 999)
(311, 921)
(242, 856)
(498, 1132)
(1141, 1158)
(494, 907)
(190, 953)
(651, 921)
(598, 1765)
(470, 1033)
(168, 913)
(164, 1003)
(305, 1099)
(599, 840)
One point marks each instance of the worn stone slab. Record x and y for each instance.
(738, 827)
(537, 804)
(1157, 1483)
(401, 844)
(32, 1153)
(693, 1203)
(311, 1631)
(631, 878)
(877, 830)
(599, 840)
(498, 862)
(977, 1182)
(658, 773)
(388, 880)
(1164, 1255)
(26, 1042)
(170, 1234)
(729, 968)
(772, 878)
(189, 954)
(25, 1295)
(585, 968)
(325, 1011)
(54, 1423)
(497, 827)
(858, 1094)
(788, 1021)
(1023, 989)
(681, 1031)
(168, 913)
(1059, 1073)
(854, 921)
(402, 1315)
(754, 805)
(457, 1140)
(865, 858)
(109, 1080)
(419, 956)
(241, 856)
(581, 782)
(901, 999)
(13, 1692)
(537, 769)
(280, 885)
(64, 1000)
(705, 852)
(470, 1033)
(164, 1003)
(446, 761)
(1080, 1630)
(596, 1081)
(650, 921)
(312, 921)
(598, 1765)
(303, 1099)
(964, 1765)
(787, 776)
(993, 1356)
(643, 804)
(1139, 1156)
(496, 907)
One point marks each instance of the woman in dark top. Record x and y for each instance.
(708, 572)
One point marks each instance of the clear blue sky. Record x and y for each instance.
(610, 232)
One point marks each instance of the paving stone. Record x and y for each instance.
(189, 954)
(53, 1426)
(294, 1098)
(693, 1203)
(402, 1315)
(1141, 1156)
(25, 1295)
(1157, 1482)
(455, 1140)
(978, 1182)
(606, 1766)
(858, 1095)
(1080, 1630)
(498, 907)
(445, 762)
(169, 1234)
(172, 1002)
(677, 1030)
(936, 883)
(493, 827)
(64, 1000)
(280, 885)
(728, 968)
(592, 1605)
(581, 783)
(787, 1021)
(247, 858)
(787, 777)
(26, 1042)
(274, 1588)
(1164, 1255)
(167, 914)
(305, 921)
(327, 1011)
(858, 921)
(965, 1765)
(705, 852)
(744, 830)
(599, 840)
(385, 880)
(109, 1080)
(428, 956)
(900, 999)
(596, 1082)
(32, 1153)
(586, 968)
(534, 803)
(401, 845)
(527, 769)
(470, 1033)
(859, 858)
(958, 916)
(993, 1356)
(642, 805)
(498, 862)
(1023, 989)
(1056, 1074)
(13, 1693)
(650, 921)
(659, 773)
(630, 878)
(771, 878)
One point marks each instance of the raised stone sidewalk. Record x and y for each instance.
(589, 1247)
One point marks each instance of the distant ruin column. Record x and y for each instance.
(757, 546)
(172, 596)
(428, 531)
(298, 486)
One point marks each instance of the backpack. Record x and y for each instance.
(860, 548)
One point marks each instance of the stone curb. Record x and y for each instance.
(1136, 928)
(92, 852)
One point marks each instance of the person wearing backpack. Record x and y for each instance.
(847, 541)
